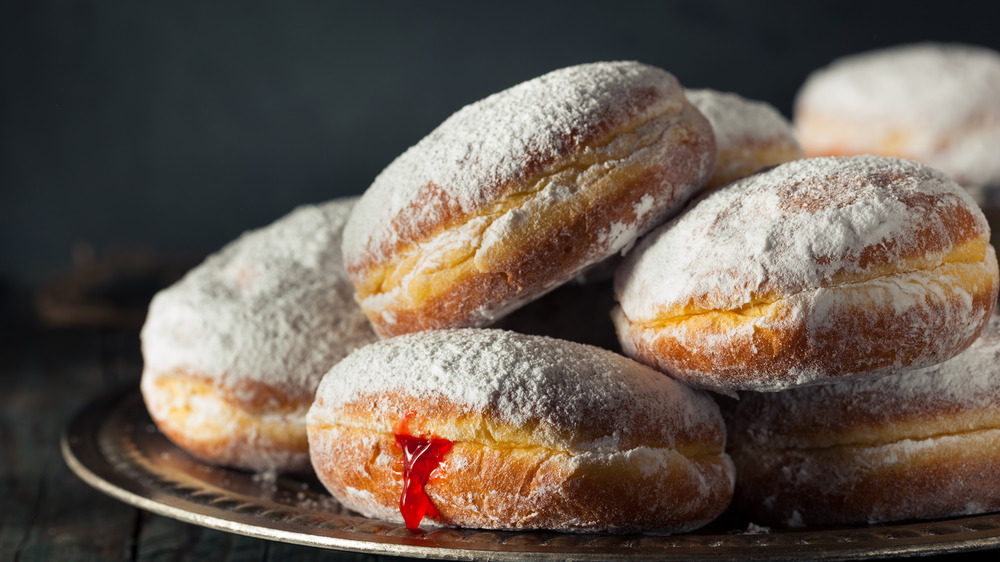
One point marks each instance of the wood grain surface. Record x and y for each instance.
(46, 512)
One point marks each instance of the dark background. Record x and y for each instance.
(174, 126)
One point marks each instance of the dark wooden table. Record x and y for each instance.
(46, 512)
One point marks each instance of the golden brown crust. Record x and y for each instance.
(544, 253)
(539, 261)
(433, 207)
(751, 156)
(525, 488)
(937, 477)
(545, 434)
(860, 414)
(917, 444)
(711, 349)
(466, 254)
(813, 271)
(385, 411)
(254, 427)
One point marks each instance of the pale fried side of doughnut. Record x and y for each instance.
(749, 156)
(966, 154)
(500, 476)
(690, 434)
(838, 136)
(254, 427)
(923, 477)
(772, 344)
(569, 215)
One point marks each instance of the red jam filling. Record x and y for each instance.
(421, 456)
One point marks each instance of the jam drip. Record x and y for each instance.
(421, 455)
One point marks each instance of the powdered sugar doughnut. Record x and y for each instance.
(522, 432)
(234, 351)
(749, 135)
(517, 193)
(934, 103)
(816, 270)
(920, 444)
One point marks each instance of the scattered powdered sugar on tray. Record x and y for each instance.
(793, 228)
(274, 306)
(522, 379)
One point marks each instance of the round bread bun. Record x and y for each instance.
(543, 433)
(518, 193)
(916, 445)
(234, 351)
(935, 103)
(750, 135)
(811, 272)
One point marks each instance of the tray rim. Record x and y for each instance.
(90, 445)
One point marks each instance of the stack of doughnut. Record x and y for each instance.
(841, 299)
(750, 136)
(931, 102)
(821, 292)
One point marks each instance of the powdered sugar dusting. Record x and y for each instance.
(735, 118)
(936, 103)
(792, 228)
(487, 147)
(971, 158)
(521, 379)
(936, 85)
(274, 306)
